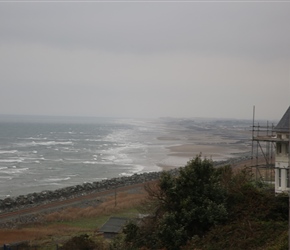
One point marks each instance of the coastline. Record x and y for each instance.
(179, 155)
(218, 140)
(47, 201)
(37, 198)
(60, 155)
(172, 149)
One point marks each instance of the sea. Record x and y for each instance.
(40, 153)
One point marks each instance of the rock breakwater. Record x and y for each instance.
(34, 199)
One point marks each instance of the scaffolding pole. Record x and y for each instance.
(263, 145)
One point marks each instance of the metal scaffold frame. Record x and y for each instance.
(263, 151)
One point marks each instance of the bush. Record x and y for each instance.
(82, 242)
(184, 206)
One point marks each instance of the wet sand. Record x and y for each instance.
(214, 143)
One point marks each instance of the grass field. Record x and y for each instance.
(59, 226)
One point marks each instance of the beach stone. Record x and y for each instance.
(44, 197)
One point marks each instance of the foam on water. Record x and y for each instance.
(57, 179)
(68, 154)
(91, 162)
(13, 170)
(125, 174)
(8, 151)
(12, 160)
(6, 177)
(44, 143)
(34, 138)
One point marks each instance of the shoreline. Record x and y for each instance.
(180, 154)
(181, 146)
(50, 164)
(47, 201)
(45, 197)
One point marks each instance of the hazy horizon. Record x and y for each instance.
(40, 117)
(143, 59)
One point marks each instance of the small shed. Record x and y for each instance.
(113, 226)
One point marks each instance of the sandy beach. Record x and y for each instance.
(214, 143)
(179, 155)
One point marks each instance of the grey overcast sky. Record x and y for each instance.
(145, 59)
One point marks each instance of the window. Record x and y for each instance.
(279, 177)
(279, 148)
(287, 148)
(287, 178)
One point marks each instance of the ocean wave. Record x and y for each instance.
(14, 170)
(56, 179)
(138, 168)
(99, 179)
(110, 158)
(50, 184)
(123, 159)
(91, 162)
(44, 143)
(125, 174)
(58, 160)
(73, 175)
(103, 151)
(51, 143)
(94, 140)
(34, 138)
(6, 177)
(8, 151)
(35, 158)
(17, 160)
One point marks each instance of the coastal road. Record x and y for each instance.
(17, 215)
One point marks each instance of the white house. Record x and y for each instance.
(282, 179)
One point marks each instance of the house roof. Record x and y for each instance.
(114, 225)
(283, 125)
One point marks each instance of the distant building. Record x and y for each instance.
(282, 179)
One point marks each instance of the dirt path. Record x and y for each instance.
(17, 221)
(96, 197)
(17, 217)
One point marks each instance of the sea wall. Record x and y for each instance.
(44, 197)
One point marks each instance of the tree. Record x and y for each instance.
(185, 205)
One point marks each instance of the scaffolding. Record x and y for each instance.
(264, 141)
